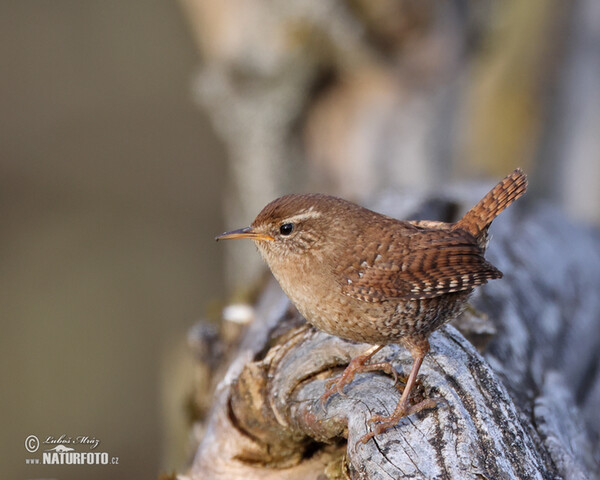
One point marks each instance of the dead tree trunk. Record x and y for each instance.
(524, 408)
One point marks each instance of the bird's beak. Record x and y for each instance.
(244, 233)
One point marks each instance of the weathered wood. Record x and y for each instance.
(526, 409)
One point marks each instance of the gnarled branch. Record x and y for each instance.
(520, 412)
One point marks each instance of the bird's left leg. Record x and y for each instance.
(358, 365)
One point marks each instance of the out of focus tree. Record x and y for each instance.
(353, 96)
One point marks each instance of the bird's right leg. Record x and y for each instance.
(418, 350)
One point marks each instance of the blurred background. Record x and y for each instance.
(110, 187)
(134, 131)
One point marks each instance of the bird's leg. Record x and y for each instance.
(403, 409)
(357, 365)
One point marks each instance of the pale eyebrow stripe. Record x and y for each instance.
(303, 216)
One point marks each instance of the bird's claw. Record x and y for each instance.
(335, 385)
(392, 420)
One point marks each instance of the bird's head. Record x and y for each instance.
(294, 225)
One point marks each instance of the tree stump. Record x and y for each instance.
(524, 407)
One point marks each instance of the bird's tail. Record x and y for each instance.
(477, 220)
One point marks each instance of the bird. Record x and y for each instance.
(367, 277)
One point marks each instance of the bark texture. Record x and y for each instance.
(525, 407)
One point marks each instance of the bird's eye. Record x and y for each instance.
(286, 228)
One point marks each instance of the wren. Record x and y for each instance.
(370, 278)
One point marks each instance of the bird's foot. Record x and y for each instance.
(357, 365)
(402, 410)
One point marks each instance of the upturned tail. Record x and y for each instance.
(477, 220)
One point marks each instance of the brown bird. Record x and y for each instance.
(366, 277)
